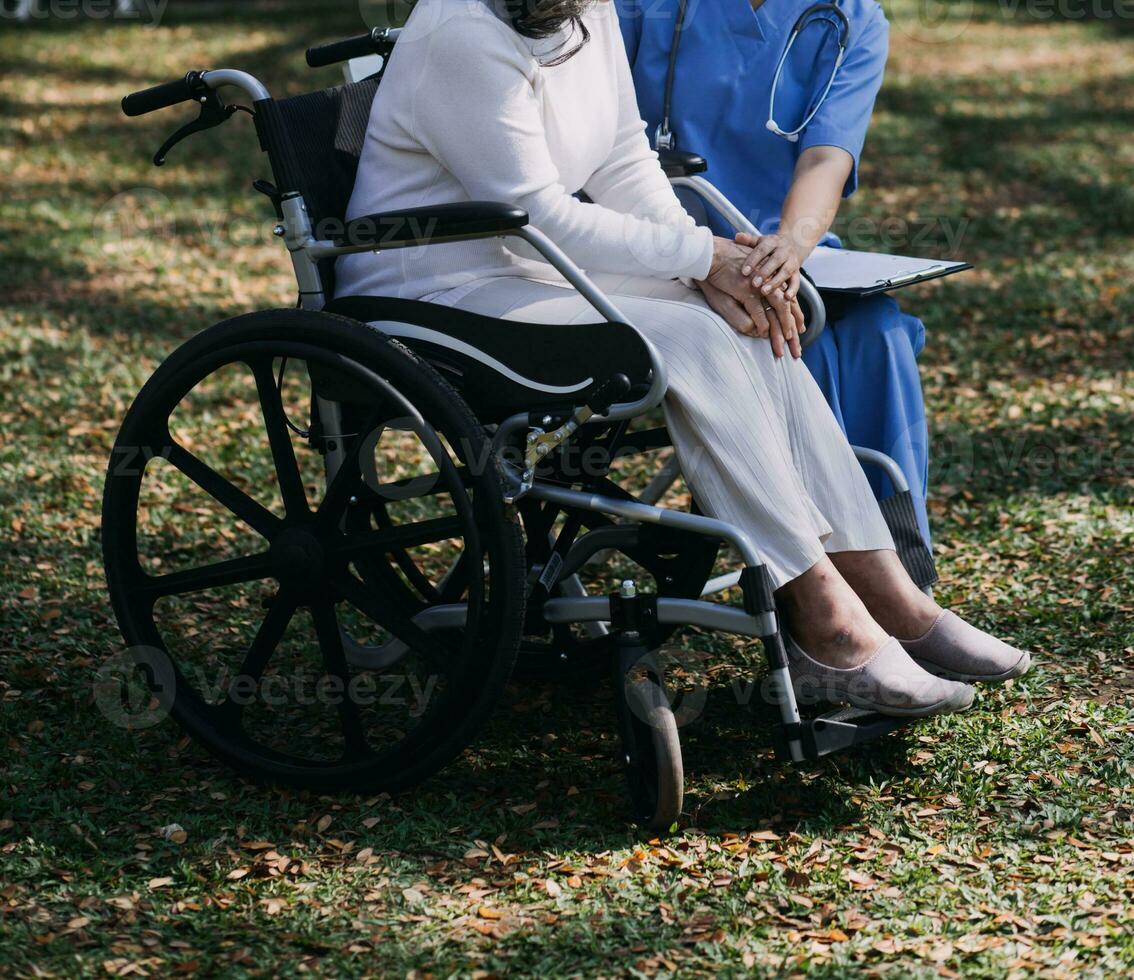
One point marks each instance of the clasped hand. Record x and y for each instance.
(764, 308)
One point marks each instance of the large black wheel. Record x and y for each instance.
(308, 553)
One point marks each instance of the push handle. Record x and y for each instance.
(333, 52)
(162, 96)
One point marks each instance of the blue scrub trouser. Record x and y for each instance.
(866, 364)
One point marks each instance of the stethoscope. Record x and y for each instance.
(664, 137)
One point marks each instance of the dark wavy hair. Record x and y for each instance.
(546, 18)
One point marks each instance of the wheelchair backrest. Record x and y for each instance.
(314, 142)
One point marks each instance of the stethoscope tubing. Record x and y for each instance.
(664, 138)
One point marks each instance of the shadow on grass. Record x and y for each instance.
(158, 326)
(563, 761)
(1020, 151)
(1003, 459)
(733, 740)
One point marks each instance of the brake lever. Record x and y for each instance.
(213, 113)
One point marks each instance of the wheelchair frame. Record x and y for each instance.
(628, 613)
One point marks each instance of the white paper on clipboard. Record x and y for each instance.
(841, 270)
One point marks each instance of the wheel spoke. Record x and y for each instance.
(415, 576)
(422, 485)
(335, 664)
(253, 568)
(279, 438)
(401, 536)
(280, 612)
(457, 579)
(373, 604)
(349, 475)
(345, 481)
(259, 518)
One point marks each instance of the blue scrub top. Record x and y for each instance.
(866, 361)
(723, 81)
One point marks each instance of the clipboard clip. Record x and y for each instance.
(911, 276)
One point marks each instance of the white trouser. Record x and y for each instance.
(754, 436)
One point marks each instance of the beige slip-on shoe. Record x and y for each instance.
(958, 651)
(889, 683)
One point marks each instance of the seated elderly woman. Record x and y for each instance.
(530, 102)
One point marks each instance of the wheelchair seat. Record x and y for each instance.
(503, 366)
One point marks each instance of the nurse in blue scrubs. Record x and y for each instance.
(866, 359)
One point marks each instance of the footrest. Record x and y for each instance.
(832, 732)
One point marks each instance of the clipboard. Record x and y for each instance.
(850, 273)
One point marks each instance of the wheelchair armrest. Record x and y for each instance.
(678, 163)
(814, 309)
(430, 225)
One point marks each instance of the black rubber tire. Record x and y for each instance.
(657, 777)
(343, 341)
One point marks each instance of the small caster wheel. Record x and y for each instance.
(654, 769)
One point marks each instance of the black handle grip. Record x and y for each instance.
(162, 96)
(606, 394)
(335, 51)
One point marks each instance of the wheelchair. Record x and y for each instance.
(407, 502)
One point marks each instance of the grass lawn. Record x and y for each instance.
(994, 843)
